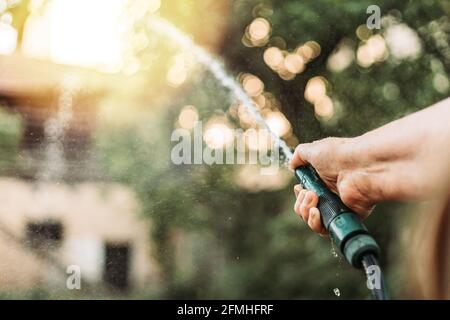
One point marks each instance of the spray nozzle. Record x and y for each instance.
(347, 231)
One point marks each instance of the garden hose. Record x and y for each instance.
(345, 228)
(369, 261)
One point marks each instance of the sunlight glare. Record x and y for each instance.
(8, 36)
(85, 33)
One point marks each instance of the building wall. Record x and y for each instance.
(92, 215)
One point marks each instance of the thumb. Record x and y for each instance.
(302, 155)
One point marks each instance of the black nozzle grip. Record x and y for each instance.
(330, 205)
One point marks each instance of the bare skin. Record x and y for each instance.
(407, 159)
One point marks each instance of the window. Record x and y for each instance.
(33, 135)
(44, 235)
(117, 265)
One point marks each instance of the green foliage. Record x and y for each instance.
(10, 132)
(357, 89)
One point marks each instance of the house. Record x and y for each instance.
(56, 208)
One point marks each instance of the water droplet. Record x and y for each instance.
(337, 292)
(333, 250)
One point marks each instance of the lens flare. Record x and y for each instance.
(188, 117)
(177, 73)
(252, 85)
(316, 88)
(273, 57)
(218, 134)
(324, 107)
(259, 29)
(294, 63)
(278, 123)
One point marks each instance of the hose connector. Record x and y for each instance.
(352, 238)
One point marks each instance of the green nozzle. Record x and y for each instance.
(347, 231)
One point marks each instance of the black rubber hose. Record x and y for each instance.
(378, 286)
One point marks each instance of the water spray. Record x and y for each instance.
(346, 230)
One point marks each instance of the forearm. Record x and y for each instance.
(416, 148)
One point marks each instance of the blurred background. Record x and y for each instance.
(90, 92)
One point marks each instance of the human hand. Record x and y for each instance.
(407, 159)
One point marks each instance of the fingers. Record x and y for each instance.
(300, 196)
(310, 200)
(297, 189)
(305, 201)
(315, 222)
(306, 208)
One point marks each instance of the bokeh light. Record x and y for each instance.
(316, 88)
(403, 42)
(259, 29)
(441, 83)
(217, 133)
(294, 63)
(258, 32)
(188, 117)
(252, 85)
(273, 57)
(178, 72)
(278, 123)
(290, 63)
(372, 51)
(324, 107)
(310, 50)
(341, 58)
(363, 33)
